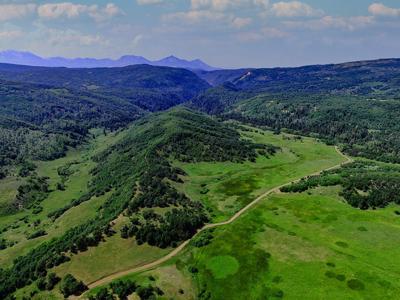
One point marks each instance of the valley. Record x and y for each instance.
(148, 182)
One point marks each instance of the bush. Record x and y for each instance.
(71, 286)
(52, 279)
(37, 234)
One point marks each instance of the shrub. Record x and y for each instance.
(71, 286)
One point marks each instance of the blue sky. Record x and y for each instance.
(225, 33)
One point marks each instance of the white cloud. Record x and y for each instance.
(262, 34)
(329, 22)
(71, 10)
(241, 22)
(222, 11)
(149, 2)
(10, 34)
(71, 37)
(213, 4)
(204, 17)
(195, 16)
(294, 9)
(57, 10)
(222, 5)
(108, 12)
(14, 11)
(136, 40)
(379, 9)
(262, 3)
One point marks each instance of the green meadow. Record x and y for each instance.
(113, 255)
(301, 246)
(227, 187)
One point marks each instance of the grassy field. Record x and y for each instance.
(302, 246)
(113, 255)
(226, 187)
(8, 189)
(117, 254)
(174, 283)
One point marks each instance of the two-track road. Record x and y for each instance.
(176, 251)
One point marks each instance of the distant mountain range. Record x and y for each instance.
(30, 59)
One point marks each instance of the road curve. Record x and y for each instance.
(111, 277)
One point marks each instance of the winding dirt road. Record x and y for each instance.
(111, 277)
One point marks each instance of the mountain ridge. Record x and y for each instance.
(31, 59)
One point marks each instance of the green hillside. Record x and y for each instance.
(141, 179)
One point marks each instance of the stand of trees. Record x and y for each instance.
(71, 286)
(365, 184)
(29, 195)
(123, 289)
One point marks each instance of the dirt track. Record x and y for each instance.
(177, 250)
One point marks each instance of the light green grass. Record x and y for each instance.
(8, 189)
(305, 246)
(113, 255)
(174, 283)
(227, 187)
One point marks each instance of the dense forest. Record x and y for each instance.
(149, 87)
(40, 122)
(139, 174)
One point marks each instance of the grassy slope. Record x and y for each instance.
(301, 246)
(115, 254)
(283, 245)
(172, 282)
(8, 189)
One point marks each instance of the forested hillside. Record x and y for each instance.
(43, 111)
(40, 122)
(356, 104)
(149, 87)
